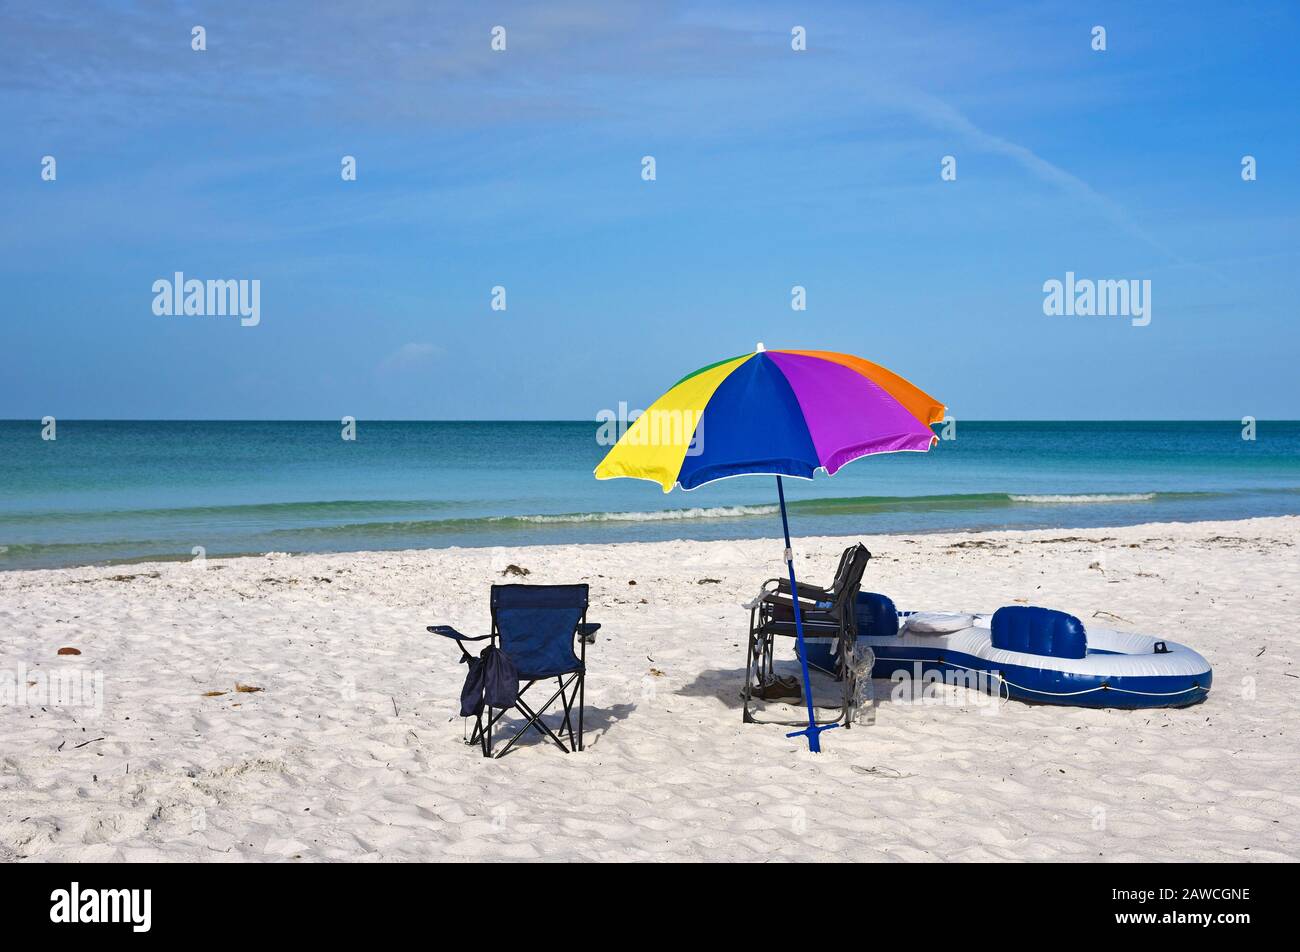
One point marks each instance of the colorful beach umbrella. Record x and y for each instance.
(775, 413)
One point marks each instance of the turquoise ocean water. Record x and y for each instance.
(107, 491)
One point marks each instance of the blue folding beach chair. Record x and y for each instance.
(535, 627)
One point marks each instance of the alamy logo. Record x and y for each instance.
(211, 298)
(103, 905)
(1087, 298)
(58, 687)
(652, 427)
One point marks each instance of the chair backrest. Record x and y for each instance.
(536, 624)
(1040, 631)
(845, 560)
(847, 594)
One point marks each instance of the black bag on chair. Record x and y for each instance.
(492, 679)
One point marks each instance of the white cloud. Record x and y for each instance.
(409, 356)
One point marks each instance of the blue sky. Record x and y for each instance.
(522, 169)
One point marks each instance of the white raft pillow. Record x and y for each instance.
(937, 623)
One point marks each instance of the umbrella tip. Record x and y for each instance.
(759, 348)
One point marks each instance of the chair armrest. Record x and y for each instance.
(449, 632)
(587, 631)
(816, 608)
(805, 590)
(763, 592)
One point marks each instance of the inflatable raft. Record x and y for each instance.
(1025, 653)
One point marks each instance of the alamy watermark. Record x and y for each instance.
(1083, 297)
(955, 687)
(77, 905)
(61, 687)
(651, 428)
(212, 298)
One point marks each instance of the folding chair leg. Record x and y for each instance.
(567, 700)
(534, 717)
(534, 721)
(565, 726)
(480, 735)
(582, 702)
(748, 693)
(846, 663)
(850, 690)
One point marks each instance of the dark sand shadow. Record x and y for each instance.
(596, 721)
(726, 684)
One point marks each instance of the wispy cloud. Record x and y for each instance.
(410, 356)
(940, 114)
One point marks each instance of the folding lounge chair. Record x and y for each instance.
(807, 591)
(826, 612)
(535, 626)
(820, 598)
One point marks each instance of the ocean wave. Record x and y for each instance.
(311, 508)
(849, 505)
(697, 512)
(400, 518)
(1082, 497)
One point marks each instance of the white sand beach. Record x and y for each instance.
(351, 748)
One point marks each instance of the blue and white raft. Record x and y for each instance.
(1026, 653)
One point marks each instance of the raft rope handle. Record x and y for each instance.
(1012, 684)
(994, 674)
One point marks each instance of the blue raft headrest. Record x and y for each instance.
(1039, 631)
(877, 617)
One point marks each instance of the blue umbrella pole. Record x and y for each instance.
(813, 730)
